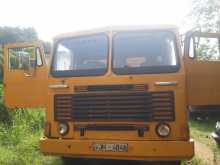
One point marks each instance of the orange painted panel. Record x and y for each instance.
(21, 90)
(202, 77)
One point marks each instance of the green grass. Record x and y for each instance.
(20, 131)
(19, 138)
(201, 130)
(194, 161)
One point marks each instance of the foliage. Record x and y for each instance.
(206, 14)
(17, 34)
(194, 161)
(19, 139)
(20, 131)
(201, 130)
(208, 49)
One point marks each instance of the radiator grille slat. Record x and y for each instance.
(115, 106)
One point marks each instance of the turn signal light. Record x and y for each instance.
(47, 129)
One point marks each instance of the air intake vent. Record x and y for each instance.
(104, 88)
(115, 106)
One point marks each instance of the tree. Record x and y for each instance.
(17, 34)
(206, 15)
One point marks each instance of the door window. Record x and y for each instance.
(207, 49)
(19, 58)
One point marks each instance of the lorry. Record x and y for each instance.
(116, 93)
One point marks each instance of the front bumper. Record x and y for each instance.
(137, 150)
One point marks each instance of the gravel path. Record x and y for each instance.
(205, 153)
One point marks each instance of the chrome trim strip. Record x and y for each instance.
(57, 86)
(165, 83)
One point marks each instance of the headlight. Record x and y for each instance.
(63, 128)
(163, 130)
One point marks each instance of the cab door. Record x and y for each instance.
(202, 62)
(25, 75)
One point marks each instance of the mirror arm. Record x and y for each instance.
(219, 44)
(196, 45)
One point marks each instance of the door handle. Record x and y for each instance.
(58, 86)
(165, 83)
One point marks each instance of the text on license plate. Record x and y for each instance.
(110, 147)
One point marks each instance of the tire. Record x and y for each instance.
(73, 161)
(171, 163)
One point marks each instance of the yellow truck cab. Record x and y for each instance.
(114, 93)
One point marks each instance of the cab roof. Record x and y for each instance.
(118, 29)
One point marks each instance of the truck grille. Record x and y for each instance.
(115, 106)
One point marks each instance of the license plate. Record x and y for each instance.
(110, 147)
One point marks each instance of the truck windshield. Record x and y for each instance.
(79, 56)
(144, 52)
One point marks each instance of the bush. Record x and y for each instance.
(19, 136)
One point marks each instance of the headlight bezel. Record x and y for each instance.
(157, 129)
(66, 126)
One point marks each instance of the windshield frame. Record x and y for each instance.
(81, 73)
(149, 69)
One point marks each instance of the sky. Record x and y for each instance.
(52, 17)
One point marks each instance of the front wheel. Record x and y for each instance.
(73, 161)
(171, 163)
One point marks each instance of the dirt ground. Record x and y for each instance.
(205, 153)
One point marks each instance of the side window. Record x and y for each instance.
(38, 55)
(18, 57)
(207, 49)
